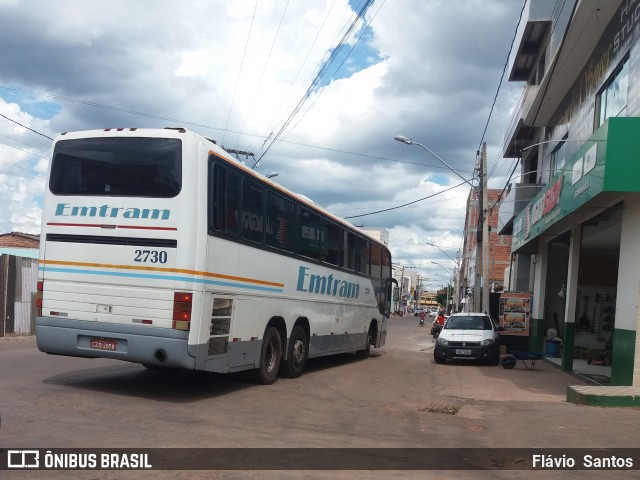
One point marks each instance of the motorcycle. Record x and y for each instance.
(436, 328)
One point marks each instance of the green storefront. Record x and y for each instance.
(604, 173)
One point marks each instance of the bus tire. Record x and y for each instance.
(364, 353)
(270, 356)
(296, 353)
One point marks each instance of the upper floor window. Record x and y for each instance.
(540, 70)
(558, 157)
(611, 101)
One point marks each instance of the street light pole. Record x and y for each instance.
(408, 141)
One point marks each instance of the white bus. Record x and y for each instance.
(158, 247)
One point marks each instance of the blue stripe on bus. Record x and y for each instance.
(160, 277)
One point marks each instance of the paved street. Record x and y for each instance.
(397, 398)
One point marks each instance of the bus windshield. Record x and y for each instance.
(131, 167)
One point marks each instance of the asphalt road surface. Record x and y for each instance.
(398, 398)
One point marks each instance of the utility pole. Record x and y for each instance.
(401, 302)
(481, 287)
(477, 293)
(486, 287)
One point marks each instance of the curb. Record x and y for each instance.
(604, 396)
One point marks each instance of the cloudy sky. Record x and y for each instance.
(316, 89)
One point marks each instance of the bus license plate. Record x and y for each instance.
(463, 352)
(103, 344)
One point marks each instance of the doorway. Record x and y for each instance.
(596, 297)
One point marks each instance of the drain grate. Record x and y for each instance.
(440, 408)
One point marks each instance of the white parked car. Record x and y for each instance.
(472, 336)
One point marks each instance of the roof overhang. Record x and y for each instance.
(587, 25)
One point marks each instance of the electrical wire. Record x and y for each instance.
(550, 72)
(315, 82)
(324, 21)
(244, 53)
(24, 126)
(406, 204)
(264, 68)
(504, 69)
(364, 30)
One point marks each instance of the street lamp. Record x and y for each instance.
(440, 265)
(408, 141)
(434, 245)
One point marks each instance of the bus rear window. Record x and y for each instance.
(114, 167)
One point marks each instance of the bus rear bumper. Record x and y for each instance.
(132, 343)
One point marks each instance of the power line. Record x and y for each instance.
(195, 124)
(407, 204)
(24, 126)
(265, 136)
(558, 8)
(364, 30)
(315, 81)
(504, 69)
(233, 98)
(264, 68)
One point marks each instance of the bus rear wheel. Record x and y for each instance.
(270, 356)
(364, 353)
(296, 354)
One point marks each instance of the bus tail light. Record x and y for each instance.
(182, 302)
(39, 289)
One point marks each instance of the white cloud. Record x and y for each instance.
(425, 69)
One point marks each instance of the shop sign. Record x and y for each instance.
(604, 163)
(579, 181)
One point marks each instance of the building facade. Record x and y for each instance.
(573, 212)
(18, 278)
(499, 250)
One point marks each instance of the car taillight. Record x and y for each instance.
(182, 302)
(39, 289)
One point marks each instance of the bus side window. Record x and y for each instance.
(280, 222)
(310, 235)
(331, 248)
(225, 200)
(351, 251)
(386, 264)
(252, 211)
(362, 256)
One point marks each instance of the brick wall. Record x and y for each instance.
(499, 245)
(19, 240)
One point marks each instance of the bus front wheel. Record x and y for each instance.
(296, 354)
(270, 356)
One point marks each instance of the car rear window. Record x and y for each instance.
(110, 166)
